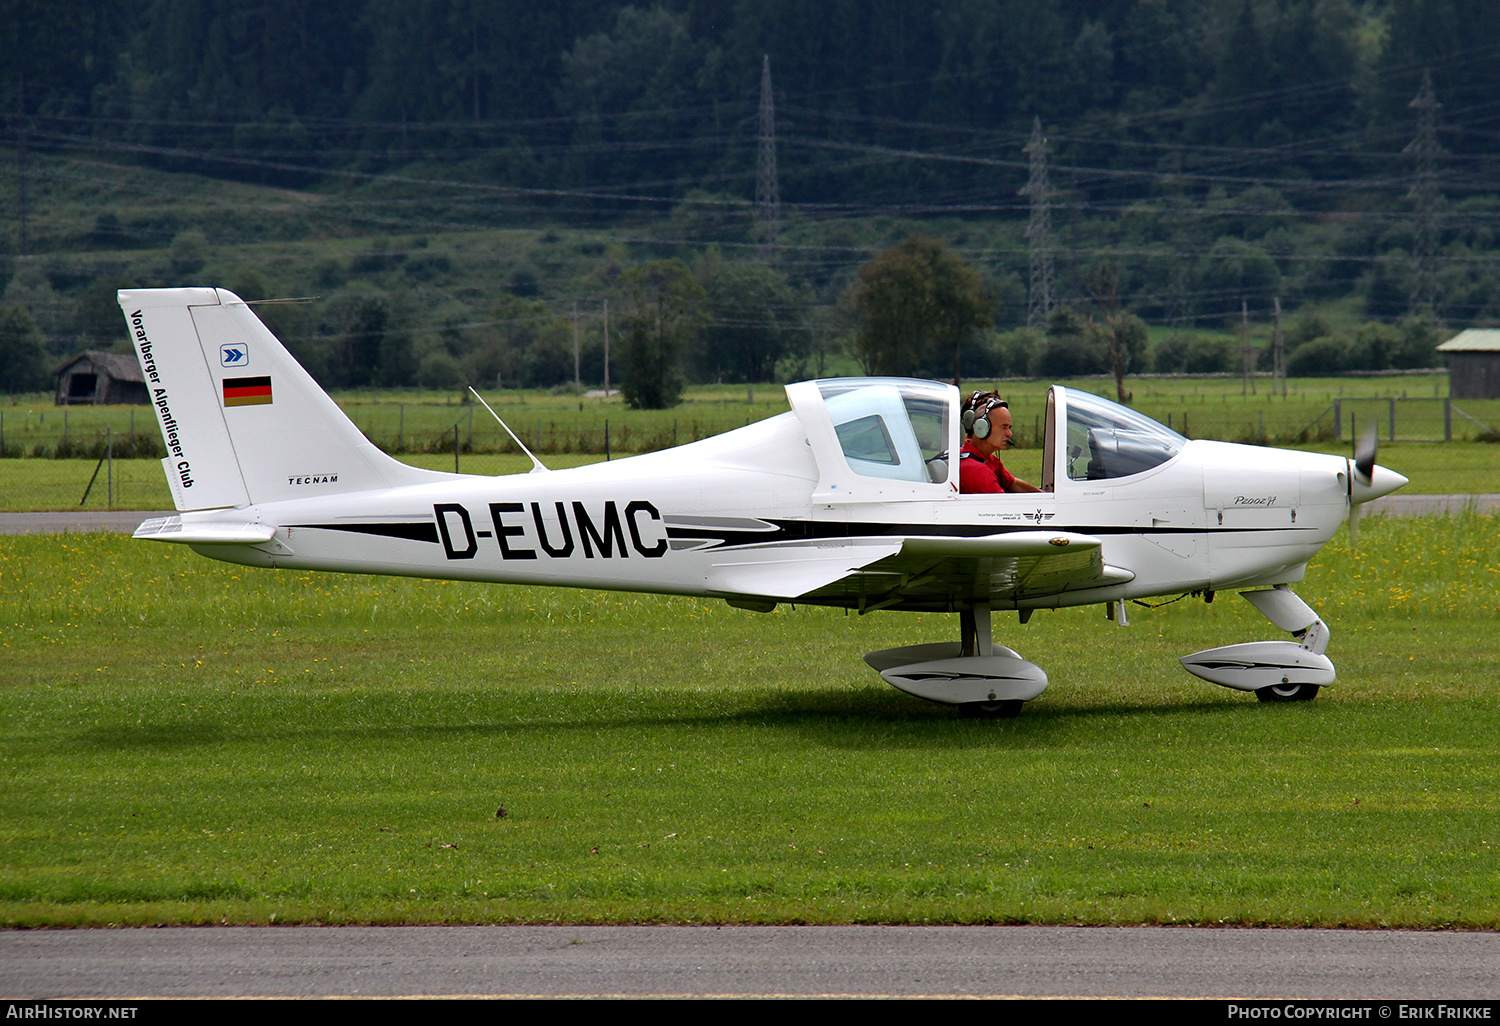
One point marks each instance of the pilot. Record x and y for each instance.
(986, 419)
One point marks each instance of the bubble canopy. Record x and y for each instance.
(1106, 440)
(873, 435)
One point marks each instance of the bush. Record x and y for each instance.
(1319, 357)
(1069, 356)
(1207, 356)
(1170, 354)
(1014, 350)
(1374, 347)
(1418, 345)
(439, 371)
(188, 253)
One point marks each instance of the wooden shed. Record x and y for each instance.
(1473, 364)
(95, 378)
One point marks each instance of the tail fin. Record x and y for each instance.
(242, 421)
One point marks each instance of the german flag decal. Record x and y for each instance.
(247, 391)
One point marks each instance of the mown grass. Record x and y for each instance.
(193, 742)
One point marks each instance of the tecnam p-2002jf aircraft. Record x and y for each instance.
(844, 501)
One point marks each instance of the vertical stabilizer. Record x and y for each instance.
(242, 421)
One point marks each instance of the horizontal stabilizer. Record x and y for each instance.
(172, 529)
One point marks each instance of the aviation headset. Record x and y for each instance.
(976, 416)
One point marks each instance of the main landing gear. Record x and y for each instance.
(981, 678)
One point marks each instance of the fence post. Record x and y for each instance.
(1448, 418)
(109, 451)
(1338, 420)
(1393, 418)
(606, 439)
(455, 447)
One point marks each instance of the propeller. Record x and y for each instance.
(1363, 470)
(1364, 453)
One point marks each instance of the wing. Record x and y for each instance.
(932, 572)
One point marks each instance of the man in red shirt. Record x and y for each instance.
(986, 420)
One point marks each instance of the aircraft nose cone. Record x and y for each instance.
(1383, 481)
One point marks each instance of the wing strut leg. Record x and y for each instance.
(974, 630)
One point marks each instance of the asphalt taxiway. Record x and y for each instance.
(749, 961)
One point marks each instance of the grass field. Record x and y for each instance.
(415, 422)
(192, 742)
(1434, 469)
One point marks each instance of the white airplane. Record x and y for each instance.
(847, 501)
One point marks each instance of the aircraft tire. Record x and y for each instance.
(993, 710)
(1287, 693)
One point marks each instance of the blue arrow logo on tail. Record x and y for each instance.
(237, 355)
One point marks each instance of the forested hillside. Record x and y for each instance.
(455, 176)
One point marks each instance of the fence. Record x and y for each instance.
(1420, 420)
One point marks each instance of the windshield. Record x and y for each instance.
(890, 427)
(1106, 440)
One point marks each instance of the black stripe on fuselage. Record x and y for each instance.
(411, 532)
(805, 530)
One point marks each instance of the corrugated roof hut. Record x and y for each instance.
(98, 378)
(1473, 364)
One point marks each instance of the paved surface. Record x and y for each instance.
(1415, 505)
(748, 961)
(119, 521)
(126, 521)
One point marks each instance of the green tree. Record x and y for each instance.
(663, 310)
(617, 85)
(1122, 334)
(917, 303)
(367, 342)
(100, 324)
(23, 357)
(754, 320)
(529, 346)
(32, 289)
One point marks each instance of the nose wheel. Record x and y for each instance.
(1287, 693)
(992, 710)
